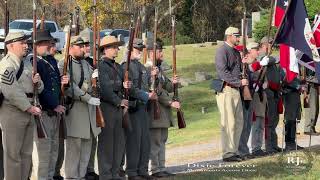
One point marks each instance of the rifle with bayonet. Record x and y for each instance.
(62, 126)
(138, 26)
(155, 103)
(246, 93)
(125, 116)
(100, 122)
(42, 19)
(180, 116)
(77, 13)
(145, 51)
(41, 131)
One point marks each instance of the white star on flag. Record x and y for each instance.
(285, 3)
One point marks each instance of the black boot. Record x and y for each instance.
(92, 176)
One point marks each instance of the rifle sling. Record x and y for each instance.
(140, 78)
(19, 73)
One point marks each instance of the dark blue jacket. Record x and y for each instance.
(50, 75)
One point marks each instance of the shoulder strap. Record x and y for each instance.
(18, 75)
(140, 77)
(82, 75)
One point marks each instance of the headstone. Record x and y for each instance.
(185, 82)
(202, 76)
(255, 18)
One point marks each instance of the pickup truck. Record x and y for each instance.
(26, 26)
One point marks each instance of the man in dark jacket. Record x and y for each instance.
(111, 142)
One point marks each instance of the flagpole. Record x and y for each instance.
(270, 23)
(269, 50)
(264, 68)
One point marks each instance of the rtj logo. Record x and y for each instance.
(295, 160)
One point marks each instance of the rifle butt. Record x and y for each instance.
(62, 128)
(125, 119)
(246, 94)
(181, 121)
(41, 131)
(156, 108)
(99, 118)
(306, 101)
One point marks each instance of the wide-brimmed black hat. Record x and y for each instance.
(44, 36)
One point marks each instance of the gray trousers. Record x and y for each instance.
(17, 137)
(92, 155)
(271, 137)
(244, 138)
(138, 143)
(77, 155)
(111, 145)
(312, 113)
(60, 157)
(45, 151)
(256, 136)
(159, 138)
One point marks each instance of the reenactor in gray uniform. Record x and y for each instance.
(273, 78)
(138, 139)
(228, 62)
(159, 127)
(311, 113)
(16, 84)
(90, 175)
(111, 144)
(259, 102)
(81, 118)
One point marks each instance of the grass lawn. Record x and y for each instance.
(200, 127)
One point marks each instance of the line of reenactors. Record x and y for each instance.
(28, 156)
(248, 125)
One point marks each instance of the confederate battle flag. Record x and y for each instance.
(295, 33)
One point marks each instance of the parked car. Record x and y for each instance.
(122, 34)
(26, 25)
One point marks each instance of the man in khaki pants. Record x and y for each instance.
(228, 63)
(16, 123)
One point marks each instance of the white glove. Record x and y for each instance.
(95, 74)
(257, 88)
(264, 61)
(265, 85)
(94, 101)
